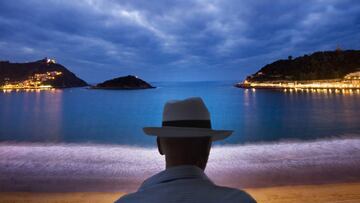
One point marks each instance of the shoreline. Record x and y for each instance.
(281, 85)
(324, 170)
(110, 168)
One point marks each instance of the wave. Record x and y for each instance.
(92, 167)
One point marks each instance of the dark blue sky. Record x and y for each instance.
(173, 40)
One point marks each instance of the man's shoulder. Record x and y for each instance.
(127, 198)
(217, 193)
(234, 195)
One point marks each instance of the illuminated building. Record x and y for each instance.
(49, 60)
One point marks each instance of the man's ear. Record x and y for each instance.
(159, 146)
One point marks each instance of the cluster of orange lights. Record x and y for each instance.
(28, 90)
(33, 83)
(350, 84)
(313, 85)
(314, 90)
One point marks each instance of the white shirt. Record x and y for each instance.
(185, 184)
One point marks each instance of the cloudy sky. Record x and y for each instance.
(166, 40)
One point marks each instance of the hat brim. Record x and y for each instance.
(167, 131)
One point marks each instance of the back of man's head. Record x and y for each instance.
(185, 151)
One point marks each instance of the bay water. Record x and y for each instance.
(82, 115)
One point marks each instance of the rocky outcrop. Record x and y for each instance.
(128, 83)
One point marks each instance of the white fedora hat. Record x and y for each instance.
(186, 118)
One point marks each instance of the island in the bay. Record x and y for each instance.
(327, 70)
(43, 74)
(129, 82)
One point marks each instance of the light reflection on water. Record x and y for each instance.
(105, 116)
(33, 114)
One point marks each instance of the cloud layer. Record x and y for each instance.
(173, 40)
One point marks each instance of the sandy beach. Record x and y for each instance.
(330, 193)
(291, 171)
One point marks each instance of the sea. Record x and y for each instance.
(81, 139)
(83, 115)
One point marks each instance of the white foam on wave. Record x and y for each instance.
(90, 167)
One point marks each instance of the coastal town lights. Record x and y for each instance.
(325, 85)
(350, 82)
(34, 82)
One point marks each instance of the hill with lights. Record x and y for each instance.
(317, 66)
(321, 70)
(37, 74)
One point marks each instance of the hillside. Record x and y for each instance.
(44, 72)
(317, 66)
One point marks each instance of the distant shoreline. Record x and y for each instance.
(330, 85)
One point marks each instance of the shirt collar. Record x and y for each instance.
(175, 173)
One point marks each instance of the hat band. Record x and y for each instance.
(188, 123)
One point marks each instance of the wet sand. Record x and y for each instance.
(274, 172)
(331, 193)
